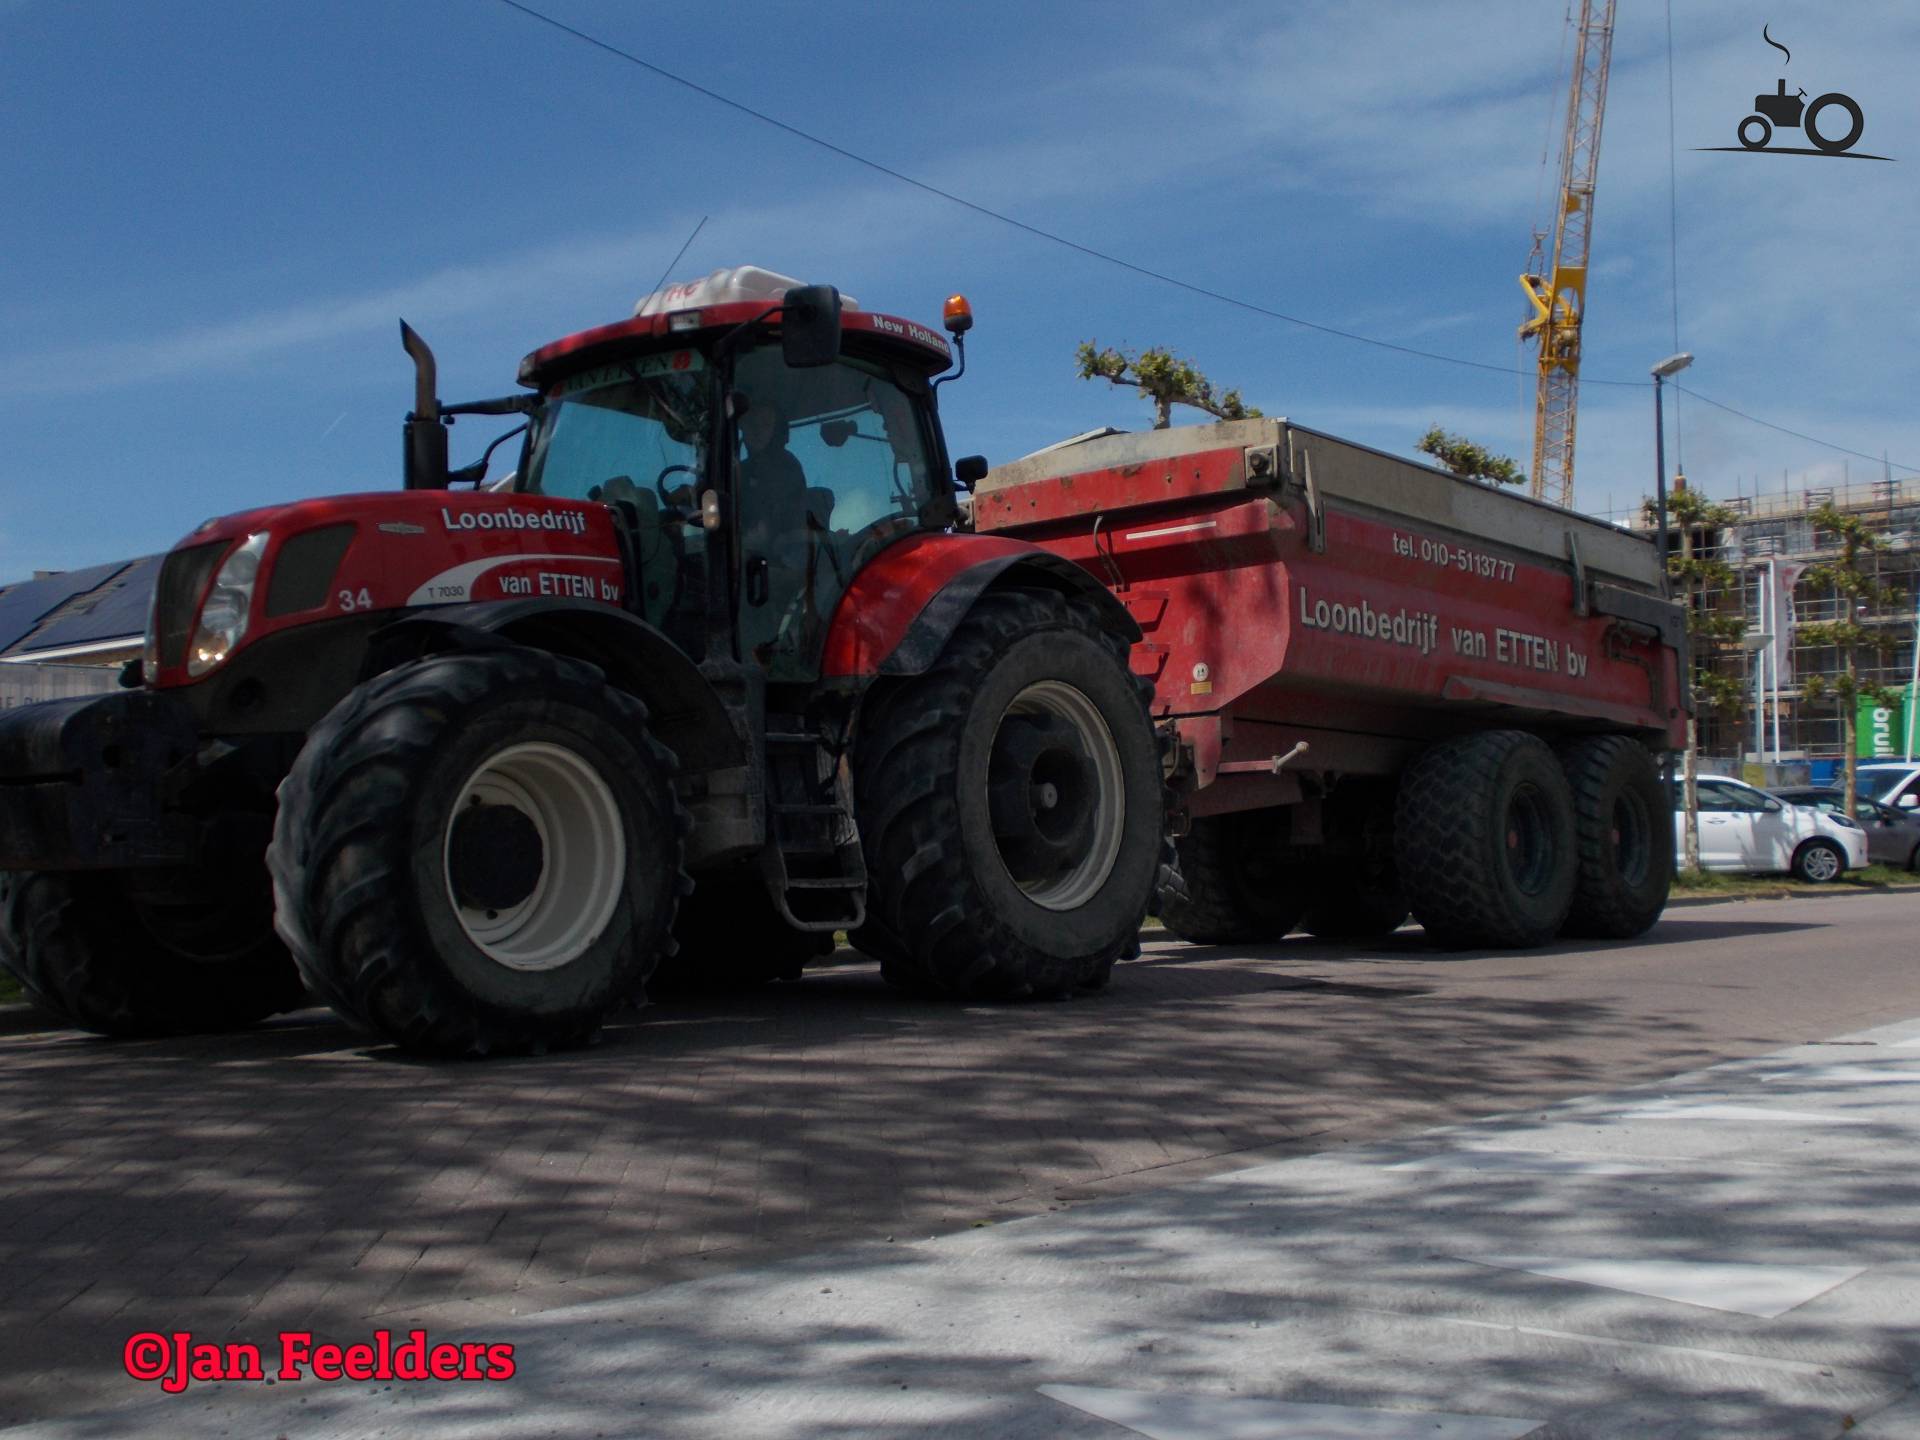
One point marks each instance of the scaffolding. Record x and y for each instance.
(1772, 539)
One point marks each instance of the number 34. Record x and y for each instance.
(360, 599)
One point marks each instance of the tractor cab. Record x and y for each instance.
(759, 442)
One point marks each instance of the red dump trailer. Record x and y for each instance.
(1380, 688)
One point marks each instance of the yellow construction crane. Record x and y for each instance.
(1558, 289)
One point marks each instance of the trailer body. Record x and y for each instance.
(1295, 588)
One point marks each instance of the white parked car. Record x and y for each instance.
(1742, 829)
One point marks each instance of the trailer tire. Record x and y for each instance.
(1623, 838)
(88, 947)
(1010, 805)
(729, 936)
(1230, 883)
(1484, 840)
(452, 938)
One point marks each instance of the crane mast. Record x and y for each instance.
(1558, 289)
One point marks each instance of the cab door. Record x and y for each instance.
(836, 463)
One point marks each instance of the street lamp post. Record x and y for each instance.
(1672, 365)
(1690, 845)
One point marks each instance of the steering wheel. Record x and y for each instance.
(660, 480)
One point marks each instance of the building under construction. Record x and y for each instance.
(1768, 548)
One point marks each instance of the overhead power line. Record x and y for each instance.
(1798, 435)
(1146, 272)
(1050, 236)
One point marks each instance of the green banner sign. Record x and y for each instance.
(1881, 730)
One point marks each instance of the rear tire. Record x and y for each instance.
(1232, 883)
(1010, 805)
(1484, 840)
(480, 853)
(147, 953)
(1819, 862)
(1622, 837)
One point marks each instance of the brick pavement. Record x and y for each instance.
(293, 1178)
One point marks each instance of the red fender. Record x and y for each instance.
(897, 614)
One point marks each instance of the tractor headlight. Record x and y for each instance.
(223, 617)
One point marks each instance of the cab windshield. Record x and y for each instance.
(633, 430)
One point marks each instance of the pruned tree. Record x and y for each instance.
(1165, 379)
(1695, 573)
(1853, 633)
(1474, 462)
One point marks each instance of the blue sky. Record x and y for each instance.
(213, 213)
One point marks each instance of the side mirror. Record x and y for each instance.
(970, 470)
(810, 326)
(1909, 801)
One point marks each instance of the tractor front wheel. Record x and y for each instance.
(480, 853)
(148, 952)
(1010, 804)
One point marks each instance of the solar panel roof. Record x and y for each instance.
(25, 605)
(115, 610)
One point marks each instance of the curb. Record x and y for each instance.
(1833, 892)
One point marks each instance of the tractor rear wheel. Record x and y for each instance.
(1233, 882)
(1484, 840)
(480, 853)
(159, 952)
(1010, 805)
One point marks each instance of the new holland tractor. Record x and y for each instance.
(713, 677)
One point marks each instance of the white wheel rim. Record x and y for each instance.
(1821, 863)
(583, 856)
(1074, 887)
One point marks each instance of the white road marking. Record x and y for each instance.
(1719, 1110)
(1855, 1073)
(1742, 1289)
(1165, 1416)
(1535, 1162)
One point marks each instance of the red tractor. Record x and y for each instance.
(711, 678)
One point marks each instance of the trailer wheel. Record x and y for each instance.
(1484, 840)
(480, 853)
(1231, 882)
(1623, 837)
(1010, 805)
(150, 953)
(730, 937)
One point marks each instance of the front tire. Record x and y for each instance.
(164, 952)
(1484, 840)
(480, 853)
(1819, 862)
(1010, 805)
